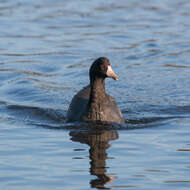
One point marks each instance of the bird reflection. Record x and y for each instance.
(98, 140)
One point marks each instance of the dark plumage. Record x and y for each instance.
(92, 104)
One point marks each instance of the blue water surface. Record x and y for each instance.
(46, 49)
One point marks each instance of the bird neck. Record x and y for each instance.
(96, 100)
(97, 93)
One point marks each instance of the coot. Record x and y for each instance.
(92, 104)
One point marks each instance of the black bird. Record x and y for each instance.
(92, 104)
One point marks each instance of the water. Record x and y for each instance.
(46, 50)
